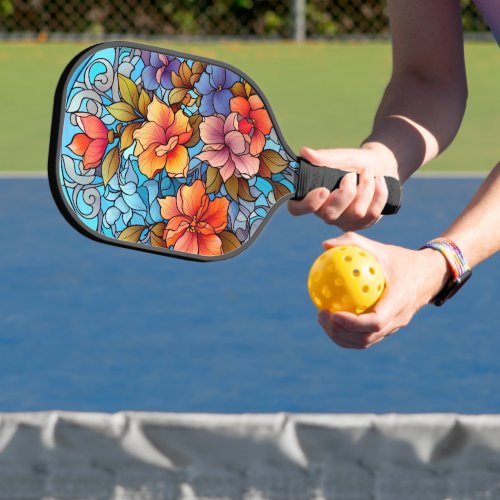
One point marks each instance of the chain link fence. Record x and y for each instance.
(286, 19)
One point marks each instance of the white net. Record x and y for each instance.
(153, 456)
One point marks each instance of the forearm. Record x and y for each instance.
(477, 230)
(424, 103)
(416, 120)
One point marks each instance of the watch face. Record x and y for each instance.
(451, 288)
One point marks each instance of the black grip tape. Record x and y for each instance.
(312, 177)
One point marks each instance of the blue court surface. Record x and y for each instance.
(86, 326)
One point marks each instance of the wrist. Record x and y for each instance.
(437, 272)
(386, 156)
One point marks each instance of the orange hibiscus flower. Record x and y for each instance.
(160, 141)
(194, 221)
(255, 121)
(92, 144)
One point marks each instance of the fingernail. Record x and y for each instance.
(347, 178)
(324, 194)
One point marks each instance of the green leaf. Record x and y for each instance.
(132, 233)
(244, 190)
(176, 95)
(127, 136)
(110, 165)
(238, 89)
(273, 161)
(264, 171)
(157, 235)
(128, 90)
(185, 73)
(279, 190)
(231, 185)
(122, 111)
(194, 121)
(144, 102)
(214, 180)
(229, 241)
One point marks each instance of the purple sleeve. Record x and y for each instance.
(490, 9)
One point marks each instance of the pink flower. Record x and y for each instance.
(226, 148)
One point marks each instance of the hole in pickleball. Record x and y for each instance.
(359, 310)
(330, 268)
(339, 281)
(327, 293)
(317, 300)
(356, 273)
(346, 299)
(372, 271)
(317, 276)
(379, 288)
(366, 289)
(363, 254)
(348, 258)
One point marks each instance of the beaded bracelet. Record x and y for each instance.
(458, 265)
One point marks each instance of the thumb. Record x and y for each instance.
(349, 238)
(338, 158)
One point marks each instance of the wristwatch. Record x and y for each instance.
(460, 270)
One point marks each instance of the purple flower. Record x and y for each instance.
(158, 70)
(214, 86)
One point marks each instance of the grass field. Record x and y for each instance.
(323, 94)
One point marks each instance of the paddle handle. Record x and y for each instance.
(312, 177)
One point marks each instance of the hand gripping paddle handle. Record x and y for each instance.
(312, 177)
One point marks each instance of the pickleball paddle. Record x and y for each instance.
(171, 153)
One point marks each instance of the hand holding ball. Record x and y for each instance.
(346, 278)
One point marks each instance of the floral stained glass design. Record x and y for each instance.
(171, 152)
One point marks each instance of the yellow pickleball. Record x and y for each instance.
(346, 278)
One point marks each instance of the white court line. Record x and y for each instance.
(37, 174)
(454, 174)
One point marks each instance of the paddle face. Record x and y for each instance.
(160, 151)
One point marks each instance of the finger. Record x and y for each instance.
(379, 197)
(378, 250)
(339, 200)
(348, 238)
(361, 340)
(345, 344)
(383, 319)
(310, 203)
(338, 334)
(341, 340)
(365, 191)
(349, 158)
(346, 338)
(362, 324)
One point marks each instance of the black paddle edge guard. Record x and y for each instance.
(55, 145)
(312, 177)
